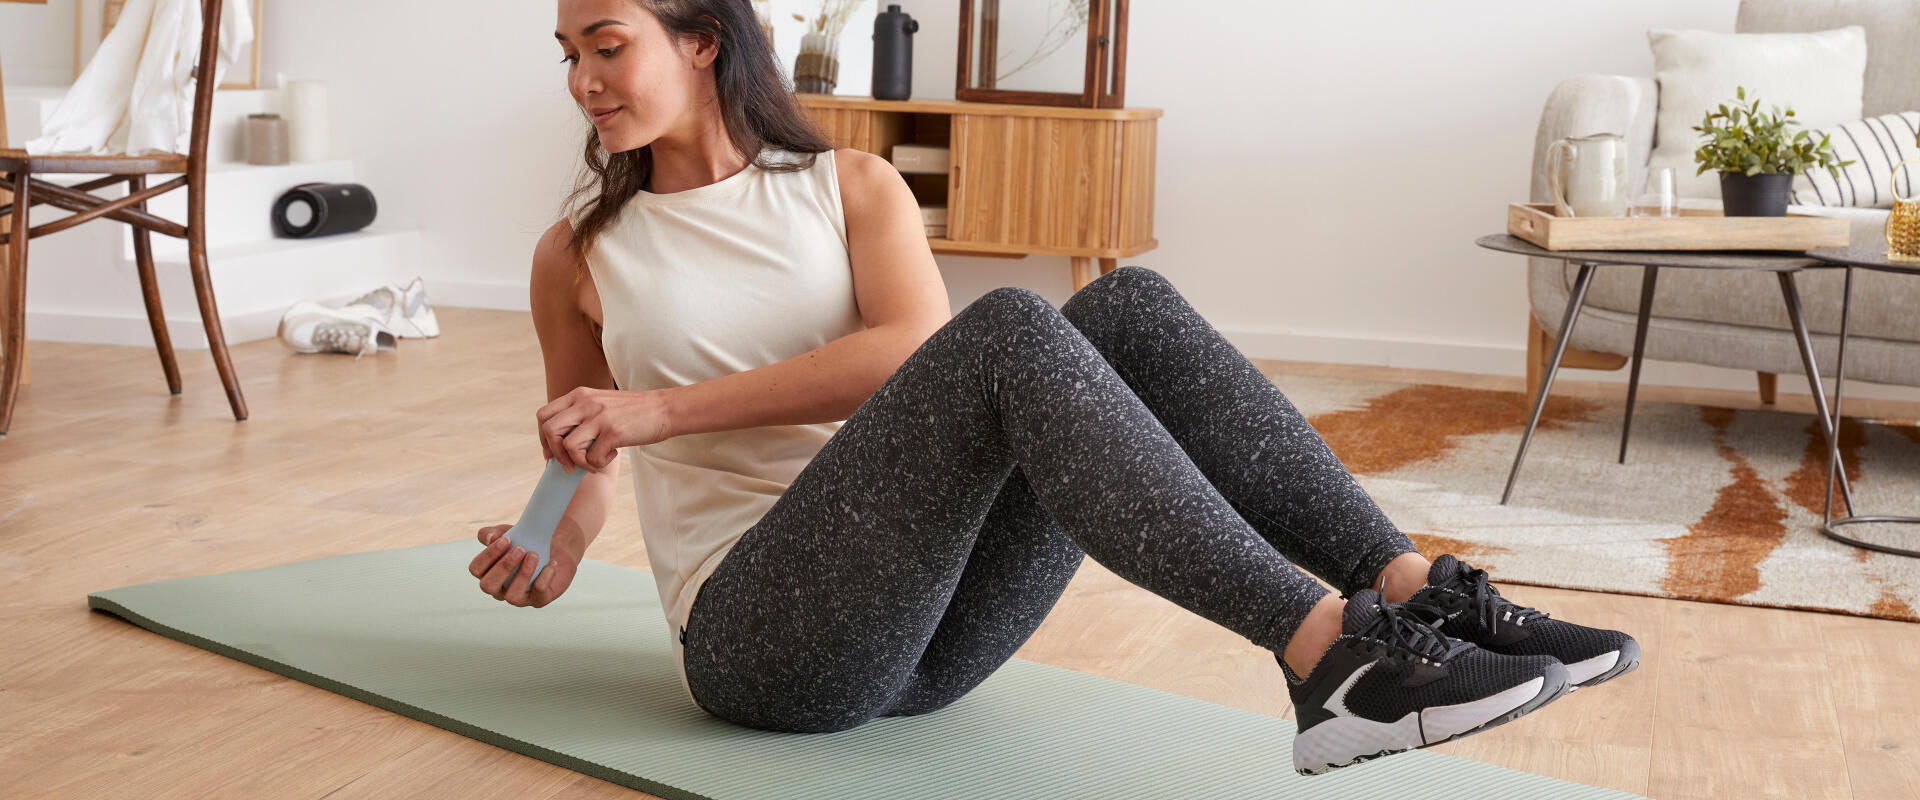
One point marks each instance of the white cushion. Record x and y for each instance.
(1875, 146)
(1866, 227)
(1820, 75)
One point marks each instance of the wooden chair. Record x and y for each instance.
(17, 169)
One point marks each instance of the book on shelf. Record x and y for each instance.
(921, 159)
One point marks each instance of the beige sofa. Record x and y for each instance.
(1738, 319)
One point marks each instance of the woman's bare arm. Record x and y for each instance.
(901, 297)
(573, 358)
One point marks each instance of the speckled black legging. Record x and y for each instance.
(928, 538)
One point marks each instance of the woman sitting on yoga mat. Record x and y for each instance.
(856, 506)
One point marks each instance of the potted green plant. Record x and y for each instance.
(1756, 157)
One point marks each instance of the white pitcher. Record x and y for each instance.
(1587, 176)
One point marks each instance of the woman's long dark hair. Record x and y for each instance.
(755, 104)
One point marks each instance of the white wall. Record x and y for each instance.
(36, 43)
(1323, 167)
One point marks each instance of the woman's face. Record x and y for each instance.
(620, 60)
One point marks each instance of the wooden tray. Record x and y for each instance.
(1694, 229)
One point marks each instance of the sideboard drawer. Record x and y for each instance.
(845, 127)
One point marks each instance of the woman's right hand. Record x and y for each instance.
(494, 563)
(586, 427)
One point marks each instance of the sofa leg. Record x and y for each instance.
(1540, 350)
(1768, 382)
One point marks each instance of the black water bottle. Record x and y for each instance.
(893, 53)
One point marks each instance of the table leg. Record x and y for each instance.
(1827, 521)
(1839, 387)
(1648, 274)
(1790, 291)
(1572, 315)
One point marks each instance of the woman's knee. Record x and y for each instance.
(1016, 323)
(1011, 298)
(1007, 308)
(1115, 291)
(1131, 276)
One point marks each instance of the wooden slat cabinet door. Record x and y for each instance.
(1034, 181)
(845, 127)
(1133, 215)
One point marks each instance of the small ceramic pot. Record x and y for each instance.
(1762, 195)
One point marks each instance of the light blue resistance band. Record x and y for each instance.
(534, 531)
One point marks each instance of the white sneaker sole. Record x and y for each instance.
(1583, 670)
(419, 326)
(1343, 741)
(1606, 666)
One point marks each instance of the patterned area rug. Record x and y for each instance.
(1713, 504)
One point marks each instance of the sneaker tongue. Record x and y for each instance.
(1362, 609)
(1443, 570)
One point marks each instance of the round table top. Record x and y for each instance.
(1861, 257)
(1769, 260)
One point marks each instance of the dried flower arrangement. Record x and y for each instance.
(832, 18)
(817, 68)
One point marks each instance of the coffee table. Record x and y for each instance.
(1784, 265)
(1852, 258)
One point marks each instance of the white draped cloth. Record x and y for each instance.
(135, 97)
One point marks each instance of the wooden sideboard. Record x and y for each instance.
(1024, 180)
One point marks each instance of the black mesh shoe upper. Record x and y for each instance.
(1414, 665)
(1475, 611)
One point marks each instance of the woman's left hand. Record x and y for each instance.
(586, 427)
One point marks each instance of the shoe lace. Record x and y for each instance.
(1495, 609)
(1410, 626)
(341, 337)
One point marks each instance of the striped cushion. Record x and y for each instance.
(1875, 145)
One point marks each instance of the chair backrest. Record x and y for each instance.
(1893, 41)
(204, 82)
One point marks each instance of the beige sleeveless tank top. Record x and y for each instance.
(695, 285)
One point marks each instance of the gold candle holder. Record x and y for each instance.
(1903, 222)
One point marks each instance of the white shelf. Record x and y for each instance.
(83, 285)
(254, 283)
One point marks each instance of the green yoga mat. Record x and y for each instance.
(588, 683)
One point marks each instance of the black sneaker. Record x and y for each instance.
(1477, 613)
(1391, 682)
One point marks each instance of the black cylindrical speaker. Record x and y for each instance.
(893, 54)
(322, 209)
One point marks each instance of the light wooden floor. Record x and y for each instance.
(106, 481)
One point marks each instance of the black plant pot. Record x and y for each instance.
(1762, 195)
